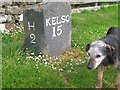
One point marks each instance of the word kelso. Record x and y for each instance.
(57, 22)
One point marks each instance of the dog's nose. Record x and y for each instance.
(89, 67)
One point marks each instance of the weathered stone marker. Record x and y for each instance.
(48, 29)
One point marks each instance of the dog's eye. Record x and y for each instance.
(98, 56)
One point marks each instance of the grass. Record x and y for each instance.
(69, 70)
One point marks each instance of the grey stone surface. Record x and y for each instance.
(5, 18)
(14, 10)
(2, 10)
(1, 4)
(48, 29)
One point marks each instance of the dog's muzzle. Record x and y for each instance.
(90, 64)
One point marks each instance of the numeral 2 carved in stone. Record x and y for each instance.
(31, 27)
(33, 38)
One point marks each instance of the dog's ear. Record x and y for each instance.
(87, 47)
(110, 49)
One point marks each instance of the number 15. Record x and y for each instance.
(57, 31)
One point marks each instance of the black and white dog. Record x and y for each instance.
(104, 52)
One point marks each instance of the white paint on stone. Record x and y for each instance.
(20, 17)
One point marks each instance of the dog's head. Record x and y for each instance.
(97, 52)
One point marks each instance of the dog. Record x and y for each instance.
(105, 52)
